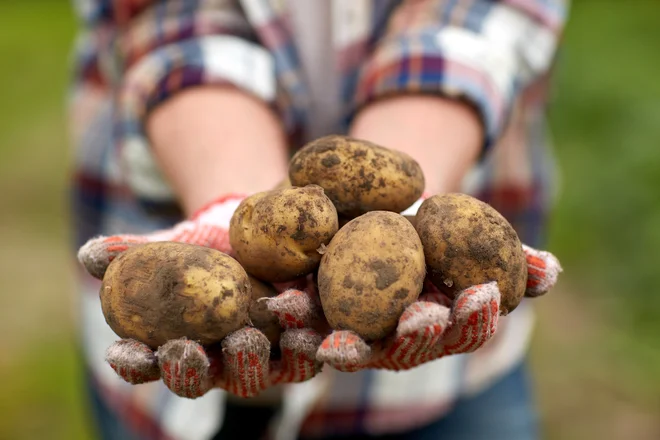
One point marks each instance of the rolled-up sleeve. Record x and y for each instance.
(148, 51)
(481, 51)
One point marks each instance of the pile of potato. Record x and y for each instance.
(338, 219)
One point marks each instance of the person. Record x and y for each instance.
(177, 104)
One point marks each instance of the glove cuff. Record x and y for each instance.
(218, 201)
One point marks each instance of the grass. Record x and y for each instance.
(595, 356)
(41, 382)
(606, 120)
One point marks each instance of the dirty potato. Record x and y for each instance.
(358, 176)
(261, 317)
(276, 234)
(161, 291)
(467, 242)
(371, 271)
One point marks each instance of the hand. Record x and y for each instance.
(241, 363)
(208, 227)
(434, 326)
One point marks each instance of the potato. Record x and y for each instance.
(467, 242)
(344, 220)
(371, 271)
(358, 176)
(261, 317)
(161, 291)
(275, 234)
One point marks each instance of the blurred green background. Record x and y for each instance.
(596, 354)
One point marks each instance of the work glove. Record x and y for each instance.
(241, 364)
(435, 326)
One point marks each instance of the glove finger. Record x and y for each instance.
(420, 327)
(543, 268)
(134, 361)
(98, 253)
(296, 309)
(473, 320)
(423, 315)
(184, 367)
(298, 362)
(344, 351)
(246, 353)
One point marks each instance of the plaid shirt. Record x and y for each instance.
(134, 54)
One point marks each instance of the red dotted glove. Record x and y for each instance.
(435, 326)
(208, 227)
(242, 363)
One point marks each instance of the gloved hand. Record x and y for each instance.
(209, 227)
(241, 364)
(434, 326)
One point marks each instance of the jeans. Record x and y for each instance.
(505, 411)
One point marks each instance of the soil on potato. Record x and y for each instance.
(149, 299)
(357, 175)
(467, 242)
(371, 271)
(283, 228)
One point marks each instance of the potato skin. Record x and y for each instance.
(275, 234)
(371, 271)
(161, 291)
(358, 176)
(467, 242)
(261, 317)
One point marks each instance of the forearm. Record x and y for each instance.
(214, 140)
(444, 136)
